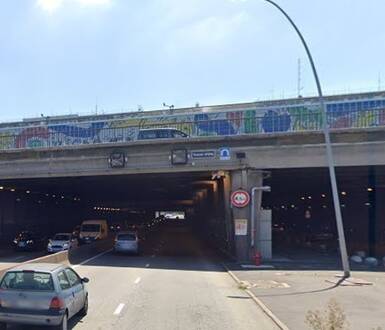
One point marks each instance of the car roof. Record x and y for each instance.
(62, 234)
(38, 267)
(158, 129)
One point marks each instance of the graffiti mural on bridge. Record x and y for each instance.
(253, 120)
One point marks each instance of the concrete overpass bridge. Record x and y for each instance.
(71, 169)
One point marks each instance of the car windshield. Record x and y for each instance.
(127, 237)
(93, 228)
(29, 281)
(147, 135)
(62, 237)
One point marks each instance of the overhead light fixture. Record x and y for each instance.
(179, 157)
(370, 189)
(13, 190)
(343, 193)
(323, 195)
(28, 192)
(1, 188)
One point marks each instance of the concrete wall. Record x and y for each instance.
(351, 148)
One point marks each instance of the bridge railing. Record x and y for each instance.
(242, 123)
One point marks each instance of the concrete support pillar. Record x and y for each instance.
(246, 179)
(7, 214)
(226, 186)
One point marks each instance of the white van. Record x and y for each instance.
(92, 230)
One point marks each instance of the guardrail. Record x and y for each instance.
(238, 123)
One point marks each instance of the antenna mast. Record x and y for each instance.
(299, 81)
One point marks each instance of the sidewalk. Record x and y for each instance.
(290, 294)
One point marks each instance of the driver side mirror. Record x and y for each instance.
(85, 280)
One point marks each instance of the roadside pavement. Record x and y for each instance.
(290, 294)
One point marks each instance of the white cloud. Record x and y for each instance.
(51, 6)
(94, 2)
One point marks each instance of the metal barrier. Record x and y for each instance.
(239, 123)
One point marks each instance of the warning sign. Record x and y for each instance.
(240, 198)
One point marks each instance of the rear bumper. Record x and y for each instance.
(21, 317)
(126, 249)
(54, 250)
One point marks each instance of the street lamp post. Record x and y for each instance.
(330, 159)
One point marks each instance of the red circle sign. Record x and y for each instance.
(240, 198)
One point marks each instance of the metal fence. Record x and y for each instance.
(242, 123)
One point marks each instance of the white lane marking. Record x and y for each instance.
(93, 258)
(137, 280)
(119, 309)
(147, 265)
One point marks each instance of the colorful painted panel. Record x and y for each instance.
(258, 120)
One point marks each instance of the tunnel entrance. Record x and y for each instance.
(152, 204)
(303, 213)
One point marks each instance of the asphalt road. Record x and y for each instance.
(176, 284)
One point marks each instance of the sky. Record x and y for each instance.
(62, 57)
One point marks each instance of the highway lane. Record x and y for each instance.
(176, 284)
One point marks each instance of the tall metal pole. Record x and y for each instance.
(330, 159)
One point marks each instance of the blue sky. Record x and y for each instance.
(65, 56)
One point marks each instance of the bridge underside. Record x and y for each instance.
(300, 203)
(57, 189)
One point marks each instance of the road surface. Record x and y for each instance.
(176, 284)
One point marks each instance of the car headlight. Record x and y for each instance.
(15, 241)
(66, 245)
(30, 241)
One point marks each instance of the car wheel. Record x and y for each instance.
(84, 310)
(3, 326)
(64, 323)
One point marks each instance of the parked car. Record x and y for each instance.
(42, 295)
(29, 241)
(62, 242)
(92, 230)
(127, 242)
(160, 133)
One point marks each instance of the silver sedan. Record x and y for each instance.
(127, 242)
(42, 294)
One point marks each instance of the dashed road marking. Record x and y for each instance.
(119, 309)
(137, 280)
(18, 258)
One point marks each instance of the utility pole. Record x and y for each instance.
(329, 152)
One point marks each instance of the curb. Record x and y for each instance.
(264, 308)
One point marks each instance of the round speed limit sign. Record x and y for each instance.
(240, 198)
